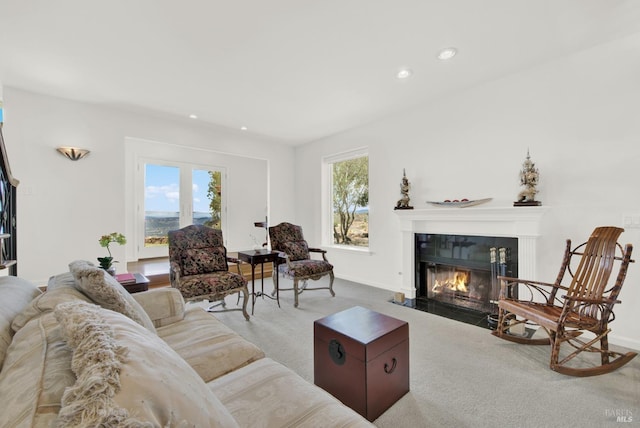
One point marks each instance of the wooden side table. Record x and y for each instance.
(260, 257)
(141, 284)
(361, 357)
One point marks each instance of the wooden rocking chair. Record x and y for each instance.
(585, 305)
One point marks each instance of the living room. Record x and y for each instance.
(574, 112)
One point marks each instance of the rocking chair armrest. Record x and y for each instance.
(512, 281)
(545, 289)
(590, 301)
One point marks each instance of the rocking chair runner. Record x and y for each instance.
(585, 305)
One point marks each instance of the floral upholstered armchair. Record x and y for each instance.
(199, 267)
(299, 266)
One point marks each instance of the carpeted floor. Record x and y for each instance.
(461, 375)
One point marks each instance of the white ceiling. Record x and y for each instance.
(294, 70)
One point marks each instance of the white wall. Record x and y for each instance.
(577, 115)
(65, 206)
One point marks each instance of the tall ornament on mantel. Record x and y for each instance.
(529, 177)
(403, 202)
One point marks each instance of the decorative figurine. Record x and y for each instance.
(403, 203)
(529, 179)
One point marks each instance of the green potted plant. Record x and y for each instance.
(106, 263)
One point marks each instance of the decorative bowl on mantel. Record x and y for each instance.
(463, 203)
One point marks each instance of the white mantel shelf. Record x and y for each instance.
(517, 222)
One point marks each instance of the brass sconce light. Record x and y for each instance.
(73, 153)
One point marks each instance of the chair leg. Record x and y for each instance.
(295, 292)
(555, 350)
(274, 279)
(331, 284)
(245, 299)
(604, 346)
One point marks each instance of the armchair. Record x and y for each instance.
(199, 267)
(299, 266)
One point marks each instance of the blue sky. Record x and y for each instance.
(162, 189)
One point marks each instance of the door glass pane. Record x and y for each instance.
(161, 203)
(207, 197)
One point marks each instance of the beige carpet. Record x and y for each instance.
(461, 376)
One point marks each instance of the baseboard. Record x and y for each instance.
(626, 342)
(370, 283)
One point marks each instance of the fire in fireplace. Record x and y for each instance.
(460, 272)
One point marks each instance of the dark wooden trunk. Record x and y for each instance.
(361, 357)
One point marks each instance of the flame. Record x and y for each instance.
(456, 283)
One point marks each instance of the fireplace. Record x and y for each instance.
(461, 270)
(425, 256)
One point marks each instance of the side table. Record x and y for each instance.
(260, 257)
(141, 284)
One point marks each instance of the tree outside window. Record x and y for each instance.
(350, 192)
(214, 194)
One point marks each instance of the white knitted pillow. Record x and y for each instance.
(107, 292)
(129, 377)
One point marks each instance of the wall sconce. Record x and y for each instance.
(73, 153)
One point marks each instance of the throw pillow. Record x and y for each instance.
(65, 279)
(127, 376)
(204, 260)
(297, 250)
(107, 292)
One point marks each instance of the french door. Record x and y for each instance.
(176, 195)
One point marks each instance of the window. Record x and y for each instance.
(349, 194)
(174, 197)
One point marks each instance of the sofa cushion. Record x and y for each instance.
(15, 295)
(310, 268)
(36, 371)
(209, 346)
(164, 305)
(46, 302)
(267, 394)
(127, 375)
(204, 260)
(104, 290)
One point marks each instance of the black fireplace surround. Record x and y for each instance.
(456, 275)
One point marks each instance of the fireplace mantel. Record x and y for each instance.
(517, 222)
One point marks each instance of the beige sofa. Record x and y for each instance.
(87, 353)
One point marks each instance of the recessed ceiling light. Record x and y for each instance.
(243, 128)
(404, 73)
(193, 116)
(447, 53)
